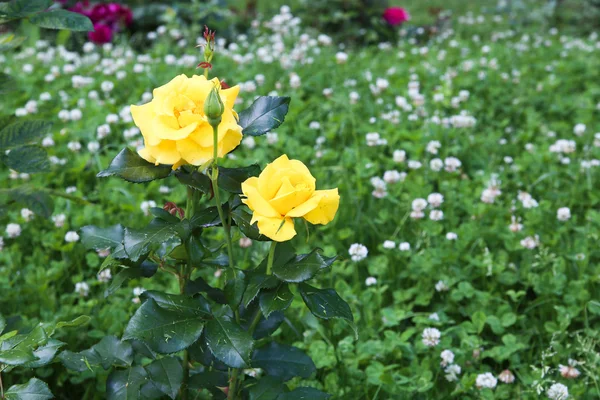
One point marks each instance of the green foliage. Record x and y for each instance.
(264, 115)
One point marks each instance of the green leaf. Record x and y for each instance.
(277, 299)
(242, 219)
(2, 323)
(23, 132)
(206, 218)
(304, 393)
(45, 354)
(265, 114)
(166, 374)
(230, 179)
(36, 200)
(257, 282)
(96, 238)
(9, 41)
(131, 167)
(18, 356)
(229, 342)
(234, 289)
(125, 384)
(164, 331)
(35, 389)
(138, 242)
(268, 388)
(199, 285)
(111, 351)
(31, 340)
(22, 8)
(208, 379)
(81, 361)
(325, 303)
(195, 180)
(29, 159)
(81, 320)
(283, 361)
(478, 320)
(62, 19)
(7, 83)
(303, 267)
(196, 306)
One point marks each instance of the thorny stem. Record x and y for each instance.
(1, 387)
(234, 377)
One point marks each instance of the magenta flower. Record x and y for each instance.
(395, 15)
(102, 34)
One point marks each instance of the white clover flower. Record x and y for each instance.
(354, 97)
(249, 142)
(295, 81)
(107, 86)
(59, 220)
(436, 215)
(506, 376)
(104, 275)
(436, 164)
(272, 137)
(48, 142)
(245, 242)
(341, 57)
(558, 391)
(164, 189)
(486, 380)
(82, 288)
(404, 246)
(71, 189)
(146, 206)
(530, 242)
(71, 237)
(373, 139)
(414, 164)
(447, 357)
(93, 147)
(64, 115)
(389, 244)
(451, 236)
(434, 316)
(452, 164)
(75, 114)
(441, 286)
(74, 146)
(569, 371)
(137, 291)
(327, 92)
(435, 199)
(433, 147)
(579, 129)
(399, 156)
(452, 371)
(431, 337)
(563, 214)
(370, 281)
(358, 252)
(419, 204)
(13, 230)
(393, 176)
(27, 214)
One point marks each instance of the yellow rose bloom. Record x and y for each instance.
(175, 128)
(284, 190)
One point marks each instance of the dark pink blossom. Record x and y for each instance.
(102, 34)
(395, 15)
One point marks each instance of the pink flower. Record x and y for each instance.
(102, 34)
(395, 15)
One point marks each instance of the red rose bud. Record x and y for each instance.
(204, 65)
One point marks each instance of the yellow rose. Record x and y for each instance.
(284, 190)
(175, 128)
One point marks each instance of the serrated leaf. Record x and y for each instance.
(62, 19)
(36, 200)
(138, 242)
(81, 361)
(234, 289)
(131, 167)
(208, 379)
(22, 8)
(126, 384)
(195, 180)
(265, 114)
(35, 389)
(31, 340)
(18, 356)
(28, 159)
(267, 388)
(256, 282)
(96, 238)
(45, 354)
(112, 351)
(304, 393)
(277, 299)
(242, 220)
(283, 361)
(199, 285)
(206, 218)
(23, 132)
(325, 303)
(164, 331)
(302, 268)
(166, 374)
(196, 306)
(229, 342)
(230, 179)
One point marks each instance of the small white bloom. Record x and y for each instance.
(272, 137)
(441, 286)
(579, 129)
(137, 291)
(93, 147)
(452, 372)
(399, 156)
(389, 244)
(27, 214)
(48, 142)
(506, 376)
(451, 236)
(392, 176)
(75, 114)
(358, 252)
(370, 281)
(104, 275)
(447, 357)
(59, 220)
(404, 246)
(82, 288)
(436, 164)
(435, 199)
(563, 214)
(249, 142)
(558, 391)
(71, 237)
(486, 380)
(431, 337)
(433, 147)
(530, 242)
(245, 242)
(13, 230)
(146, 206)
(107, 86)
(74, 146)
